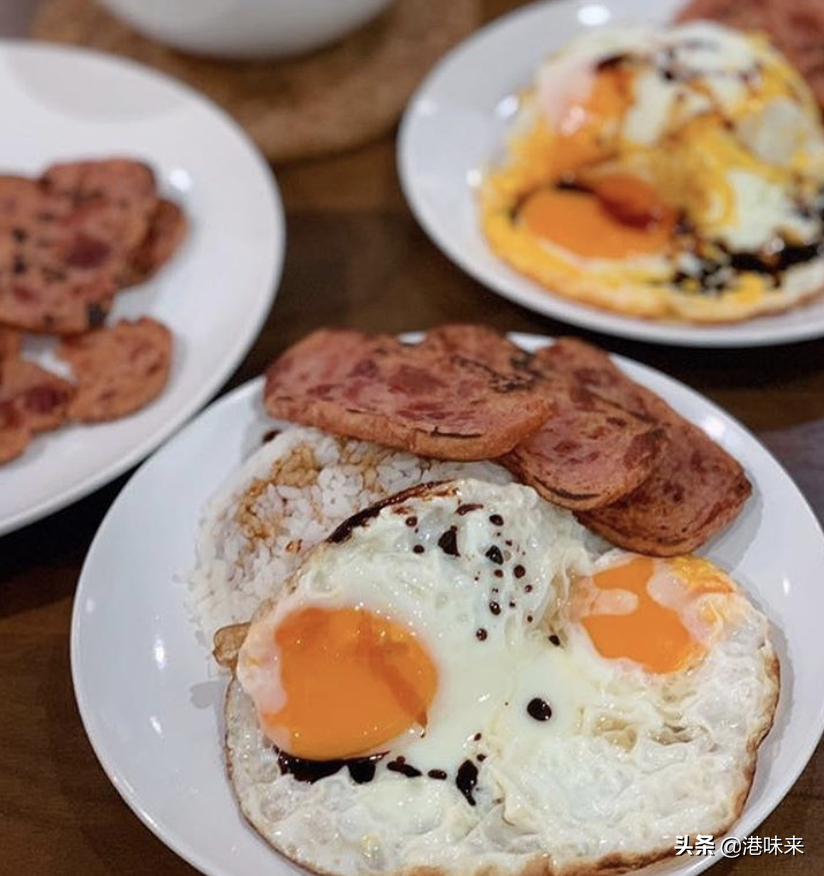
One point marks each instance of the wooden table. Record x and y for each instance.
(356, 258)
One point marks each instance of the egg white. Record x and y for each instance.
(444, 599)
(627, 760)
(740, 181)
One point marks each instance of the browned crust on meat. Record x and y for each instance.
(695, 488)
(422, 399)
(167, 231)
(41, 397)
(14, 433)
(118, 369)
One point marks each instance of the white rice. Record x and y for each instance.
(287, 497)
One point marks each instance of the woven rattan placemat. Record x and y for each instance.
(325, 102)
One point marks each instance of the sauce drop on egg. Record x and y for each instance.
(352, 680)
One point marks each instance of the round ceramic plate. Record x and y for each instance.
(457, 124)
(151, 697)
(214, 294)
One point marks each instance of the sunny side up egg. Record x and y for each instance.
(456, 680)
(665, 173)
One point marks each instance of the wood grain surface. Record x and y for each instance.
(355, 258)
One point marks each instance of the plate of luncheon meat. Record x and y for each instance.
(141, 243)
(454, 601)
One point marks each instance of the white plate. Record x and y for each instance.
(151, 699)
(457, 123)
(64, 103)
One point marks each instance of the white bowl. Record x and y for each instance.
(245, 28)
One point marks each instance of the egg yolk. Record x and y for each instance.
(618, 216)
(623, 220)
(352, 680)
(652, 635)
(585, 132)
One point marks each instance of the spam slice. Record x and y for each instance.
(9, 343)
(692, 493)
(589, 451)
(423, 399)
(66, 238)
(695, 488)
(50, 277)
(125, 186)
(167, 231)
(14, 433)
(480, 344)
(41, 397)
(118, 369)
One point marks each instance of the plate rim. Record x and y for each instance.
(270, 192)
(105, 759)
(183, 848)
(737, 335)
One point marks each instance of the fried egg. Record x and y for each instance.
(456, 679)
(665, 173)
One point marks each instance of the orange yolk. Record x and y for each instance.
(590, 226)
(652, 635)
(352, 681)
(633, 201)
(583, 133)
(622, 216)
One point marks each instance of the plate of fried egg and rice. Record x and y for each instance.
(581, 764)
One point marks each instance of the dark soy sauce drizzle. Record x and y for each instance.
(539, 709)
(448, 542)
(466, 780)
(361, 769)
(494, 555)
(399, 765)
